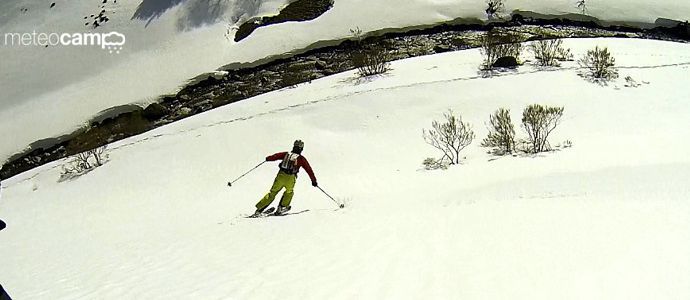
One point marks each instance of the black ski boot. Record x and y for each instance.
(282, 210)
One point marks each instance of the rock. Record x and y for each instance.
(185, 98)
(321, 65)
(184, 111)
(204, 103)
(209, 95)
(220, 74)
(442, 48)
(155, 111)
(169, 100)
(301, 66)
(506, 62)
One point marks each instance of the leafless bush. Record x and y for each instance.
(449, 137)
(356, 34)
(539, 121)
(501, 134)
(582, 5)
(600, 64)
(496, 44)
(371, 59)
(550, 52)
(494, 8)
(84, 162)
(98, 155)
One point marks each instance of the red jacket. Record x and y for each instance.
(301, 162)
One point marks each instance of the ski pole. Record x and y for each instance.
(238, 178)
(341, 205)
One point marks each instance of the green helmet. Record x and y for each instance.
(298, 144)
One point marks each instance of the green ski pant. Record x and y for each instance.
(283, 180)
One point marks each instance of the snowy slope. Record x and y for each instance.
(171, 41)
(605, 219)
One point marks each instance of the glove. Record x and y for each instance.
(313, 183)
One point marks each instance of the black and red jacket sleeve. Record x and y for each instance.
(305, 164)
(277, 156)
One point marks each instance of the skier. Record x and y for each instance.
(289, 166)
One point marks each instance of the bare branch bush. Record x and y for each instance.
(450, 137)
(357, 34)
(600, 65)
(371, 59)
(84, 162)
(98, 155)
(550, 52)
(501, 134)
(496, 44)
(494, 8)
(539, 121)
(582, 5)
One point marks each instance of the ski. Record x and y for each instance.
(272, 212)
(292, 213)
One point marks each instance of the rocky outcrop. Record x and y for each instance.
(300, 10)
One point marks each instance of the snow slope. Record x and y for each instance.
(608, 218)
(171, 41)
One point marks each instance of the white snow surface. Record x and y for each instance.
(608, 218)
(171, 41)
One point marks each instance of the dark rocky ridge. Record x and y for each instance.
(300, 10)
(238, 84)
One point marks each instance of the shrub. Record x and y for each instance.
(550, 52)
(494, 8)
(84, 162)
(599, 64)
(369, 59)
(496, 44)
(357, 35)
(372, 60)
(449, 137)
(582, 5)
(539, 121)
(501, 134)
